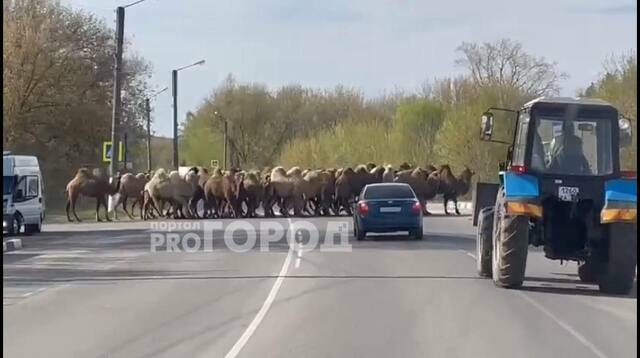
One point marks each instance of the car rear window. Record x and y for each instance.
(389, 192)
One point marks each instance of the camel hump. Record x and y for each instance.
(361, 169)
(294, 171)
(84, 172)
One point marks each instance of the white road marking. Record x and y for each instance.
(468, 254)
(298, 262)
(34, 292)
(237, 347)
(564, 325)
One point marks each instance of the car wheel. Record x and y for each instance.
(33, 228)
(416, 234)
(16, 224)
(360, 234)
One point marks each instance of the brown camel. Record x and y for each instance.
(452, 187)
(423, 183)
(87, 184)
(254, 192)
(131, 186)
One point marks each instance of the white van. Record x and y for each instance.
(22, 194)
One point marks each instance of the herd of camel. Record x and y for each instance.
(237, 193)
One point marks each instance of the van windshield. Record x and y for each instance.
(7, 185)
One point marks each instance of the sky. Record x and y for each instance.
(371, 45)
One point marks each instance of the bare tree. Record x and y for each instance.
(505, 64)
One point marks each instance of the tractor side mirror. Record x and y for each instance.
(486, 126)
(502, 166)
(625, 132)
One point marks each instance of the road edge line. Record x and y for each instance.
(248, 332)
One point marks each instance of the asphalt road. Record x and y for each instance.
(97, 290)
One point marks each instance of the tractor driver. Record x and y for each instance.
(567, 156)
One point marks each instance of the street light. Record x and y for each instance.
(174, 86)
(117, 86)
(224, 150)
(147, 109)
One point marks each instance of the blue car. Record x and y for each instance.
(387, 207)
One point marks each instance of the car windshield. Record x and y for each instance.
(388, 192)
(580, 147)
(7, 185)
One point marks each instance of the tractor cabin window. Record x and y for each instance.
(566, 147)
(520, 145)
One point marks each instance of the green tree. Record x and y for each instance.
(415, 127)
(201, 141)
(57, 87)
(619, 86)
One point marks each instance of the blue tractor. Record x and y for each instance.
(561, 188)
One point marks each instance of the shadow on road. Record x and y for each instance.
(550, 285)
(93, 276)
(430, 242)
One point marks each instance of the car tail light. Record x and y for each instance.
(363, 208)
(629, 174)
(416, 208)
(520, 169)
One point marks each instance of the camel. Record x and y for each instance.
(423, 183)
(327, 191)
(282, 186)
(452, 187)
(389, 174)
(214, 194)
(307, 189)
(170, 188)
(343, 191)
(254, 192)
(131, 186)
(87, 184)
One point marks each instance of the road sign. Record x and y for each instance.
(215, 163)
(106, 151)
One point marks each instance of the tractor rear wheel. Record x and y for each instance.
(619, 270)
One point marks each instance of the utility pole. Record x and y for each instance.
(224, 161)
(124, 156)
(174, 86)
(147, 109)
(117, 87)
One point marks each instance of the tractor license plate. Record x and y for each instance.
(568, 193)
(390, 209)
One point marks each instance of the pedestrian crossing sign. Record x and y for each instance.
(106, 151)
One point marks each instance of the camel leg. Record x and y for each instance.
(124, 207)
(445, 200)
(73, 198)
(106, 209)
(98, 209)
(455, 203)
(140, 202)
(67, 207)
(193, 207)
(424, 208)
